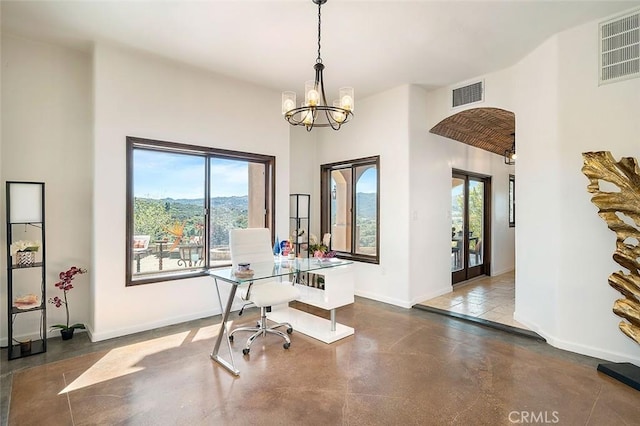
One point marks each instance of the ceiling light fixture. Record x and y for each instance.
(314, 111)
(510, 154)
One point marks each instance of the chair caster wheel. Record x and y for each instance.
(289, 330)
(286, 345)
(245, 351)
(231, 338)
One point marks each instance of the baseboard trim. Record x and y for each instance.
(388, 300)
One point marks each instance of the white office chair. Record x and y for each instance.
(253, 246)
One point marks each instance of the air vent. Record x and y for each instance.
(468, 94)
(620, 48)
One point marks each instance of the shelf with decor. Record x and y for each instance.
(17, 310)
(299, 207)
(31, 265)
(26, 269)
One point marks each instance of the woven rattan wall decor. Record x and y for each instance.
(490, 129)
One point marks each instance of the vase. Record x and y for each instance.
(67, 334)
(24, 259)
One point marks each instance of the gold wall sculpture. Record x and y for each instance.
(613, 206)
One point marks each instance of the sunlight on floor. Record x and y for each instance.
(127, 359)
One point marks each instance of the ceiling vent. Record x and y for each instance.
(468, 94)
(620, 48)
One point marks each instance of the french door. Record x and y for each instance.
(470, 225)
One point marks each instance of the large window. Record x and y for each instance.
(182, 200)
(350, 208)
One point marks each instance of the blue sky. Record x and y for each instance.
(367, 182)
(163, 175)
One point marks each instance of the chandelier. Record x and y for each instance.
(510, 154)
(315, 111)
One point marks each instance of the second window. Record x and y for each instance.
(350, 208)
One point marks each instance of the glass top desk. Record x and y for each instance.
(341, 295)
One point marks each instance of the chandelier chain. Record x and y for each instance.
(319, 59)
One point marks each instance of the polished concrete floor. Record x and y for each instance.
(487, 298)
(402, 367)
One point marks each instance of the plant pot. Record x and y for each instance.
(25, 259)
(67, 334)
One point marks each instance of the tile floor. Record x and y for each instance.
(489, 298)
(402, 367)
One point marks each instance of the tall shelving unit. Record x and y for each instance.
(25, 221)
(299, 207)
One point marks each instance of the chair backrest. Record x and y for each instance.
(251, 245)
(141, 242)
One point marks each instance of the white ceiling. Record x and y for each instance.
(371, 45)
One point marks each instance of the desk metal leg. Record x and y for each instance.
(231, 367)
(333, 320)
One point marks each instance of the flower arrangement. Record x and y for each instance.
(23, 245)
(320, 248)
(66, 277)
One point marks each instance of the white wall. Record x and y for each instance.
(432, 160)
(379, 127)
(141, 95)
(429, 205)
(46, 134)
(538, 175)
(565, 294)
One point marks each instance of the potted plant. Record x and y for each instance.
(320, 249)
(66, 277)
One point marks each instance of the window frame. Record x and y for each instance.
(325, 202)
(207, 153)
(511, 189)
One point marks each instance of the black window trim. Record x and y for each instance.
(325, 197)
(134, 142)
(511, 193)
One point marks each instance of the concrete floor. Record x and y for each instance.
(402, 366)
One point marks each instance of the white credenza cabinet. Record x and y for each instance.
(338, 291)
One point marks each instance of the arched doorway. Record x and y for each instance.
(489, 129)
(492, 130)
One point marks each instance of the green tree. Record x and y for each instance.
(154, 217)
(150, 218)
(476, 209)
